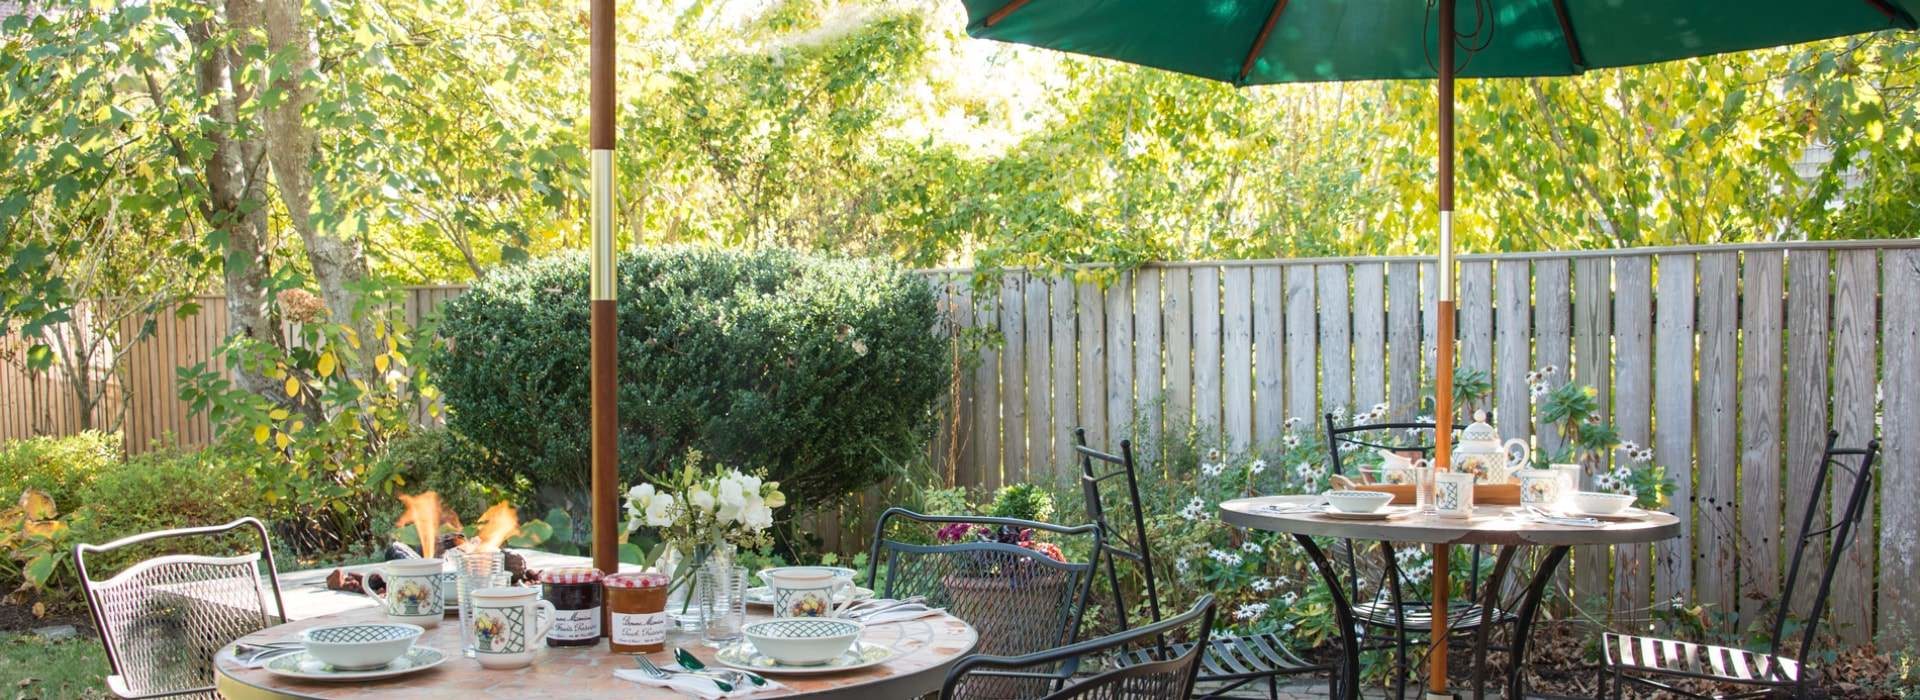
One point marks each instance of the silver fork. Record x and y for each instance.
(647, 667)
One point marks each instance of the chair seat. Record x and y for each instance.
(1667, 656)
(1419, 616)
(1231, 658)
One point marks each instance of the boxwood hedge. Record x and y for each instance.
(822, 370)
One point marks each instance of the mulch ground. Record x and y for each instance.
(20, 618)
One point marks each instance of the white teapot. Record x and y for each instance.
(1480, 452)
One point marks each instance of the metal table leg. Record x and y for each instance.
(1523, 624)
(1349, 676)
(1489, 599)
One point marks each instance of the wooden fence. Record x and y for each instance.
(1731, 361)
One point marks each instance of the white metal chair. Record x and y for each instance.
(162, 619)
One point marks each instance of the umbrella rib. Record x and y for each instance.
(1566, 31)
(1004, 10)
(1260, 42)
(1897, 15)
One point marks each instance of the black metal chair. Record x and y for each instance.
(1168, 673)
(1234, 661)
(162, 619)
(1019, 600)
(1387, 615)
(1772, 672)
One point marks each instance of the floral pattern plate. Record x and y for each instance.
(763, 596)
(300, 665)
(742, 655)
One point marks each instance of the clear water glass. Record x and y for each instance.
(1423, 484)
(474, 571)
(723, 604)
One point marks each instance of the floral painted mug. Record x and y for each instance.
(507, 625)
(414, 592)
(1453, 494)
(1541, 487)
(805, 593)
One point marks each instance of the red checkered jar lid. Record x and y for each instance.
(574, 574)
(650, 579)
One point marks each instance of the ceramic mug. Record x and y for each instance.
(1570, 477)
(415, 591)
(805, 593)
(507, 625)
(1453, 494)
(1541, 487)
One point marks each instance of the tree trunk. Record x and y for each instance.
(339, 263)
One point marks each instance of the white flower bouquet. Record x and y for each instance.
(696, 506)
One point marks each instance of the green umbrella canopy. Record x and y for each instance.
(1255, 42)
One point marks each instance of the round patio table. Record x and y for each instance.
(1502, 526)
(927, 646)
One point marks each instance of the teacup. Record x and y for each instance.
(1541, 487)
(1453, 494)
(507, 626)
(804, 591)
(415, 591)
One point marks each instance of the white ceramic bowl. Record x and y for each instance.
(1358, 501)
(803, 641)
(1599, 503)
(360, 647)
(839, 572)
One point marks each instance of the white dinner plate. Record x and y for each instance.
(1382, 514)
(300, 665)
(742, 655)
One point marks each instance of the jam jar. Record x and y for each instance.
(638, 620)
(575, 594)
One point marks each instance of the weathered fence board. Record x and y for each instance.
(1593, 366)
(1237, 363)
(1013, 383)
(1856, 282)
(1632, 413)
(1513, 345)
(1146, 357)
(986, 396)
(1120, 307)
(1760, 397)
(1807, 366)
(1552, 334)
(1369, 334)
(1717, 465)
(1673, 418)
(1039, 345)
(1206, 353)
(1269, 333)
(1336, 338)
(1177, 320)
(967, 383)
(1301, 342)
(1476, 316)
(1090, 332)
(1403, 339)
(1900, 437)
(1064, 404)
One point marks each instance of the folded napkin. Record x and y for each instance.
(690, 685)
(902, 614)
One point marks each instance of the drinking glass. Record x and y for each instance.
(1422, 475)
(474, 571)
(723, 604)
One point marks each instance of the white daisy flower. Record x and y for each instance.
(1290, 441)
(1259, 465)
(1212, 469)
(1262, 585)
(1250, 547)
(1181, 565)
(1250, 611)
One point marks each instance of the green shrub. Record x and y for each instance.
(167, 489)
(58, 466)
(457, 468)
(821, 370)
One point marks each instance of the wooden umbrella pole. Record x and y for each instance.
(1443, 350)
(606, 410)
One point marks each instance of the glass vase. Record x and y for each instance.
(686, 594)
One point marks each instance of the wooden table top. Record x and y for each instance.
(928, 647)
(1495, 525)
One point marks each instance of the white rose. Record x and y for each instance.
(732, 499)
(660, 511)
(701, 499)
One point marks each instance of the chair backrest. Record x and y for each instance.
(162, 619)
(1838, 535)
(1158, 672)
(1134, 547)
(1019, 600)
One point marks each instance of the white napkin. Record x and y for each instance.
(696, 686)
(902, 614)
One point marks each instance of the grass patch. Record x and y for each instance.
(31, 668)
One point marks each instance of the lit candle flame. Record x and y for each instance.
(499, 523)
(423, 512)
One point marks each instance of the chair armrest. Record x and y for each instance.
(117, 684)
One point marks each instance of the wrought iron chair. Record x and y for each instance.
(1388, 616)
(1167, 674)
(162, 619)
(1233, 661)
(1772, 672)
(1019, 600)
